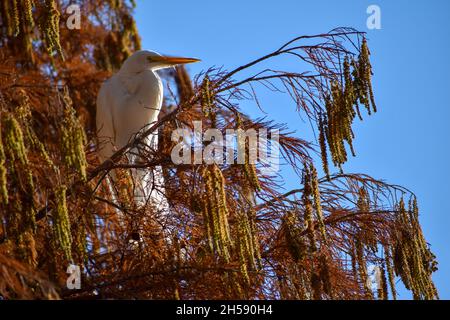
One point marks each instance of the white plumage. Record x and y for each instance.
(127, 103)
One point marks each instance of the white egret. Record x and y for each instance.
(128, 102)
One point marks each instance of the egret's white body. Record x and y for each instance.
(127, 103)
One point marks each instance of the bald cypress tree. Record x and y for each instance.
(233, 232)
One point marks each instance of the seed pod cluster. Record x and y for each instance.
(340, 117)
(362, 73)
(412, 258)
(342, 105)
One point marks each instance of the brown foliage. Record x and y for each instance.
(233, 233)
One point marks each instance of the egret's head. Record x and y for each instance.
(144, 60)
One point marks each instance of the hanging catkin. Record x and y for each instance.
(250, 174)
(247, 245)
(413, 261)
(73, 139)
(23, 111)
(390, 271)
(249, 166)
(342, 105)
(16, 153)
(16, 18)
(61, 223)
(382, 288)
(28, 12)
(81, 248)
(292, 236)
(244, 247)
(308, 209)
(49, 26)
(365, 72)
(317, 201)
(17, 15)
(216, 211)
(207, 101)
(7, 16)
(323, 147)
(3, 171)
(362, 269)
(13, 140)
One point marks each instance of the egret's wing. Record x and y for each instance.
(106, 129)
(139, 111)
(106, 133)
(125, 105)
(139, 104)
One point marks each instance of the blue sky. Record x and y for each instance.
(405, 143)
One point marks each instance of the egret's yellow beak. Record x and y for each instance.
(173, 60)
